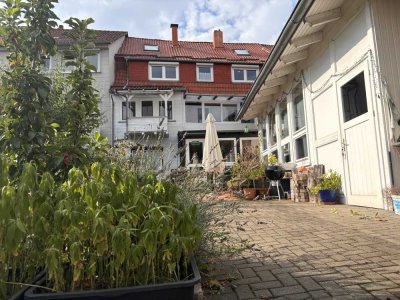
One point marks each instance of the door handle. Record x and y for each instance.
(344, 147)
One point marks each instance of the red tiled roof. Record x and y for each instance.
(102, 36)
(194, 51)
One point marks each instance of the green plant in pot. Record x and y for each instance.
(248, 168)
(328, 187)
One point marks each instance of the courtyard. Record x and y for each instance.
(308, 251)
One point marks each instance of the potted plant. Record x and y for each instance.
(248, 168)
(327, 188)
(117, 236)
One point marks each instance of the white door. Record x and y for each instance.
(358, 139)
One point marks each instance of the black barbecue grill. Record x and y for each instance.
(275, 174)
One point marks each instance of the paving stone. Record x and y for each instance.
(287, 290)
(263, 294)
(286, 279)
(247, 280)
(309, 284)
(301, 259)
(266, 285)
(247, 272)
(244, 292)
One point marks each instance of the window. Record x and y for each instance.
(263, 125)
(298, 108)
(283, 113)
(164, 71)
(354, 98)
(131, 110)
(195, 152)
(272, 128)
(286, 153)
(65, 61)
(162, 109)
(214, 109)
(228, 150)
(150, 48)
(248, 143)
(229, 112)
(244, 73)
(147, 108)
(95, 61)
(242, 52)
(205, 72)
(193, 113)
(46, 63)
(301, 147)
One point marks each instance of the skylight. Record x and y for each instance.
(150, 47)
(242, 52)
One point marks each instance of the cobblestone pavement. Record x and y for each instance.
(307, 251)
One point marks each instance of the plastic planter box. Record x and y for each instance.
(181, 290)
(20, 294)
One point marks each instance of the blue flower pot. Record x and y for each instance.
(327, 196)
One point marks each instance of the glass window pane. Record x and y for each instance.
(147, 108)
(354, 98)
(46, 64)
(94, 60)
(229, 112)
(299, 119)
(156, 72)
(238, 74)
(286, 153)
(251, 75)
(228, 150)
(193, 113)
(170, 72)
(162, 109)
(214, 109)
(195, 152)
(131, 111)
(301, 147)
(284, 119)
(272, 129)
(264, 133)
(204, 73)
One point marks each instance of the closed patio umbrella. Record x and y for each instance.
(212, 156)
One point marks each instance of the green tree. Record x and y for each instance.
(24, 126)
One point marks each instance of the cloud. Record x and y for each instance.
(240, 20)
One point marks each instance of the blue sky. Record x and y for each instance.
(241, 20)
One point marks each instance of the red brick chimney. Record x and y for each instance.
(174, 31)
(218, 41)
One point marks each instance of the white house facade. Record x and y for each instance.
(171, 86)
(328, 94)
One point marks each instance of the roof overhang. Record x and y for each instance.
(309, 24)
(213, 97)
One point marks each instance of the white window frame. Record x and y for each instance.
(202, 140)
(211, 66)
(163, 65)
(247, 139)
(293, 135)
(98, 69)
(244, 68)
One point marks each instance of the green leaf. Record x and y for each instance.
(55, 125)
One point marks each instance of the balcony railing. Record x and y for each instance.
(148, 124)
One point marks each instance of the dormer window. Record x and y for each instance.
(242, 52)
(205, 72)
(243, 73)
(163, 71)
(150, 47)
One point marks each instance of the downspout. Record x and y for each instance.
(112, 120)
(284, 38)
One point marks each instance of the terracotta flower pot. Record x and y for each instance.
(249, 193)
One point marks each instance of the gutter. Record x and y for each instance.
(284, 38)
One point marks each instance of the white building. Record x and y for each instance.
(329, 94)
(190, 79)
